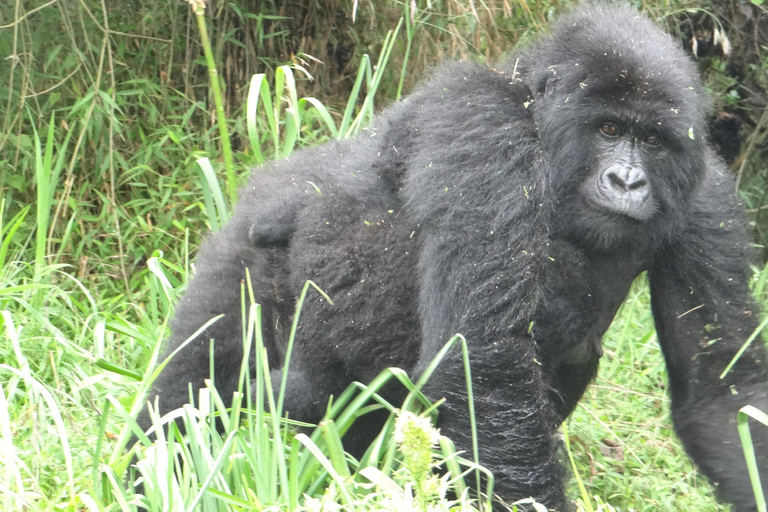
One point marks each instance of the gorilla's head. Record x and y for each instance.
(621, 122)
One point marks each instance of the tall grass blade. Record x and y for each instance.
(324, 114)
(582, 490)
(221, 117)
(7, 232)
(42, 180)
(259, 90)
(58, 424)
(215, 204)
(285, 83)
(742, 422)
(758, 289)
(744, 347)
(365, 116)
(46, 175)
(363, 70)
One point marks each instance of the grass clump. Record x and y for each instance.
(259, 460)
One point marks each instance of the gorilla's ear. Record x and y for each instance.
(545, 82)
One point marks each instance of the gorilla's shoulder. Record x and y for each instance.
(463, 101)
(460, 85)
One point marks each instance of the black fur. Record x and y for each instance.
(471, 208)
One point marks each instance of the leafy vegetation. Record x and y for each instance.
(112, 168)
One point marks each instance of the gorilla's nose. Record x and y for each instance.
(625, 189)
(626, 180)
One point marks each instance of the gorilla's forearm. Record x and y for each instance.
(704, 315)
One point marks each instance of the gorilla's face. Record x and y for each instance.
(622, 181)
(623, 138)
(619, 184)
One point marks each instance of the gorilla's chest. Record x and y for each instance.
(580, 296)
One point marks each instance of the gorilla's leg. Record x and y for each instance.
(215, 289)
(364, 261)
(306, 396)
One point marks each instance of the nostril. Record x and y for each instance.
(616, 181)
(637, 184)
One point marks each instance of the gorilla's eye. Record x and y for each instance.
(610, 130)
(652, 140)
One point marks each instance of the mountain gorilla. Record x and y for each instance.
(514, 205)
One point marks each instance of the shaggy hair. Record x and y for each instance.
(470, 208)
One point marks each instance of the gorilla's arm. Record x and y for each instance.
(516, 422)
(704, 314)
(483, 219)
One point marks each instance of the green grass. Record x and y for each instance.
(621, 432)
(74, 366)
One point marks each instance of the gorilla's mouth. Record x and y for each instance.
(604, 218)
(626, 210)
(594, 225)
(619, 200)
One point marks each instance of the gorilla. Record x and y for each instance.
(514, 205)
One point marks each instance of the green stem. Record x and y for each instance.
(221, 117)
(409, 36)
